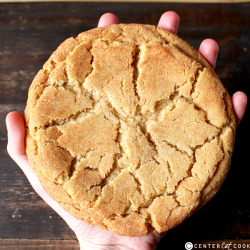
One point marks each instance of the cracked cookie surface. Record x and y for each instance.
(129, 128)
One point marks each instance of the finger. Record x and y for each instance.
(169, 21)
(19, 156)
(24, 164)
(209, 48)
(239, 100)
(16, 132)
(107, 19)
(16, 148)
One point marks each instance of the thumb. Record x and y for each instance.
(16, 132)
(16, 148)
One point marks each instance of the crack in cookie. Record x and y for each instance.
(129, 128)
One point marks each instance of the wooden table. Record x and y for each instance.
(29, 32)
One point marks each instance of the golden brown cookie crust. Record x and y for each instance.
(129, 128)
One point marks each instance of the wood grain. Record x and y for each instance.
(172, 1)
(30, 32)
(38, 244)
(73, 244)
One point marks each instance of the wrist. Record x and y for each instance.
(109, 244)
(84, 245)
(107, 241)
(96, 244)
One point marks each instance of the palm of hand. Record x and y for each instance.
(91, 237)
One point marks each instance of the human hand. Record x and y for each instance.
(91, 237)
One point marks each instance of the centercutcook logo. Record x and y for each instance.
(223, 245)
(189, 245)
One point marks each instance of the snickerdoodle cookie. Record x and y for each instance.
(129, 128)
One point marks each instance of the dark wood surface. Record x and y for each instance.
(30, 32)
